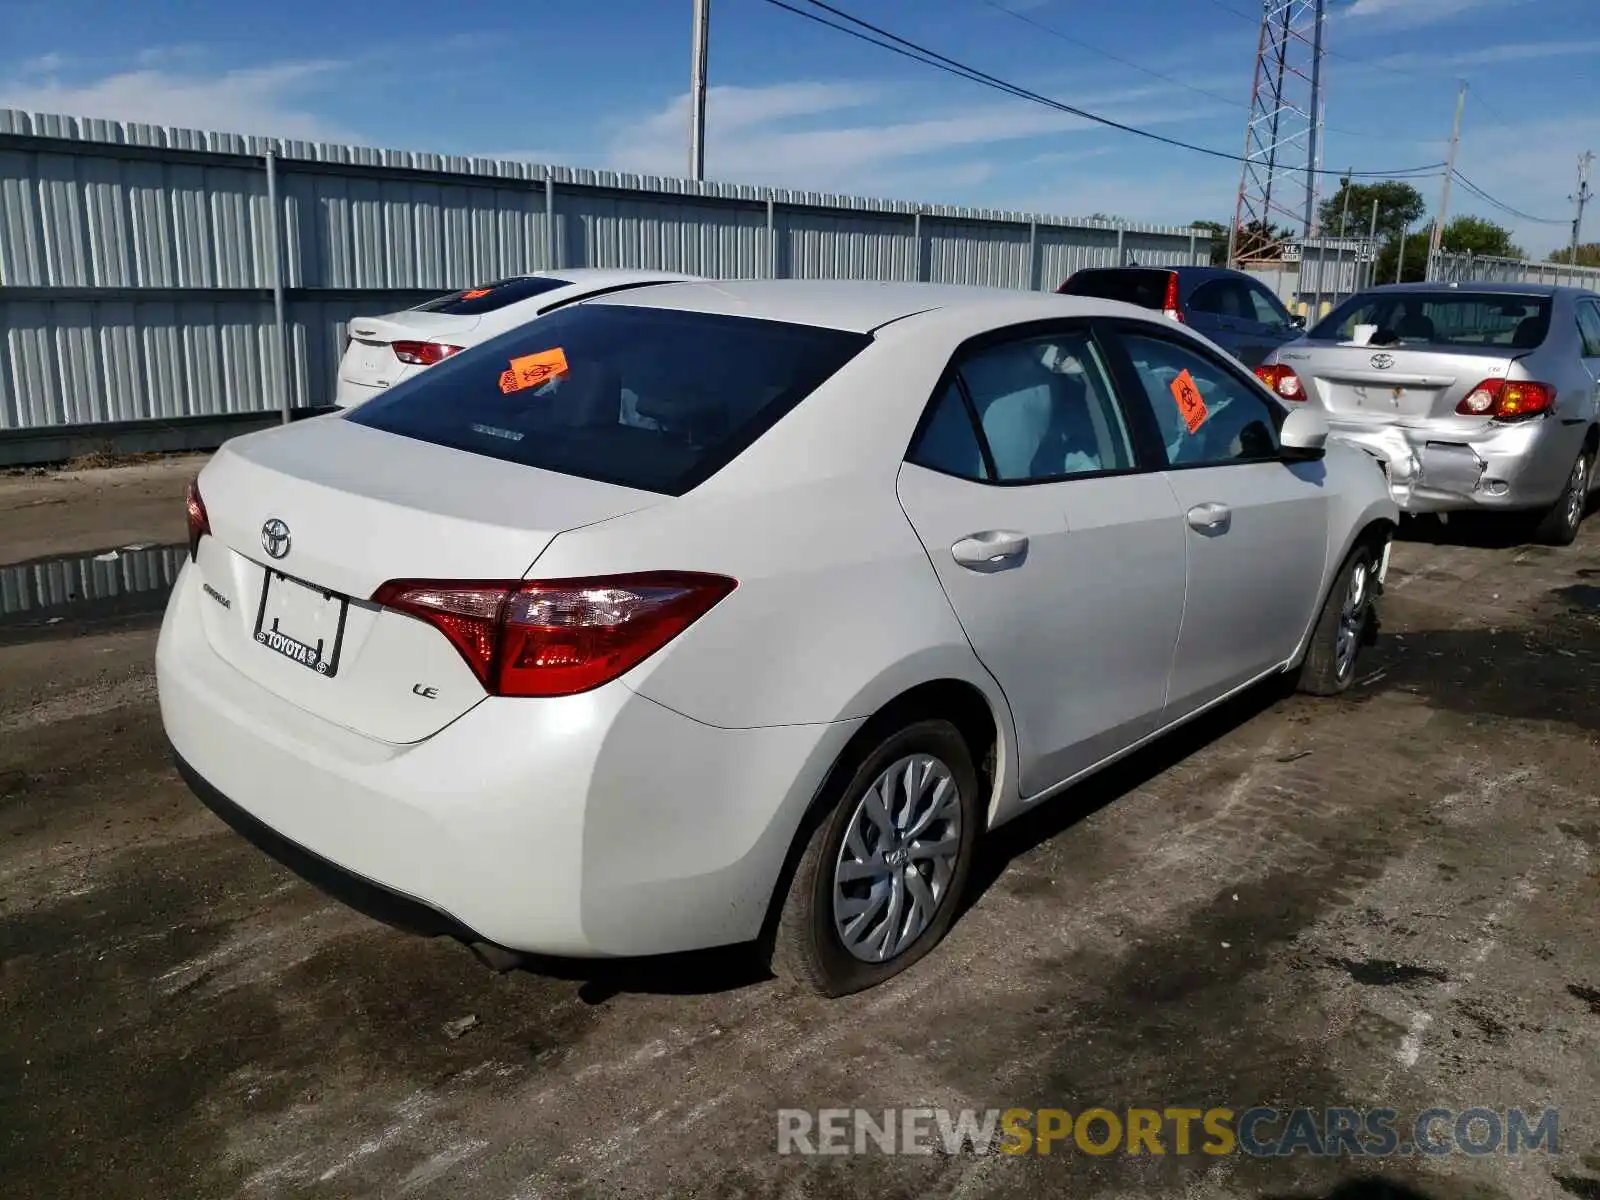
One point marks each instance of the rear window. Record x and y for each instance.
(1442, 318)
(486, 297)
(646, 398)
(1146, 288)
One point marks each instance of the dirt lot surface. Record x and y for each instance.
(46, 514)
(1387, 900)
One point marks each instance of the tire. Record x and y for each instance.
(1558, 525)
(809, 944)
(1330, 663)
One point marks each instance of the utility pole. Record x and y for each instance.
(1372, 246)
(697, 89)
(1344, 221)
(1582, 198)
(1449, 170)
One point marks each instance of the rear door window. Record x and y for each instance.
(487, 297)
(646, 398)
(1221, 298)
(1589, 328)
(1142, 286)
(1046, 408)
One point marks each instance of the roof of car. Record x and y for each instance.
(1474, 285)
(856, 305)
(604, 275)
(1169, 268)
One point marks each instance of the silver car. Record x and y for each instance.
(1475, 396)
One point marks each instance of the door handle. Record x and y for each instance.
(991, 550)
(1210, 517)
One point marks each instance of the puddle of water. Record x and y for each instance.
(124, 581)
(1580, 595)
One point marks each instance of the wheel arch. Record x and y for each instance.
(984, 721)
(1374, 529)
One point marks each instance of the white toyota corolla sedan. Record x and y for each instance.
(382, 351)
(710, 613)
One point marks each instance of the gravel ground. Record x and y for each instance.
(1385, 900)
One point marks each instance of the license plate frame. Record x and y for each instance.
(317, 657)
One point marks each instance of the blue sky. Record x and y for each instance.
(604, 83)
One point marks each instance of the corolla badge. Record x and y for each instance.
(275, 537)
(1382, 361)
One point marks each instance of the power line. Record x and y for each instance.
(1501, 205)
(1331, 53)
(940, 62)
(1154, 74)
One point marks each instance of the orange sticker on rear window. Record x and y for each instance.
(474, 294)
(533, 369)
(1190, 403)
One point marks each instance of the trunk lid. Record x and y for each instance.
(1392, 384)
(369, 359)
(349, 508)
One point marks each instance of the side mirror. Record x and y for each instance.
(1296, 321)
(1304, 436)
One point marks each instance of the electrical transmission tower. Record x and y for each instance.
(1278, 185)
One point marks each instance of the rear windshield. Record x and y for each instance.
(486, 297)
(1144, 287)
(646, 398)
(1442, 318)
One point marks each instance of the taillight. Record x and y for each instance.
(199, 522)
(1282, 380)
(1507, 399)
(562, 636)
(1170, 307)
(423, 354)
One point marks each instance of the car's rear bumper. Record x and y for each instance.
(348, 394)
(362, 894)
(1447, 468)
(596, 825)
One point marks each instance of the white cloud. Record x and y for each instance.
(802, 135)
(1501, 53)
(1418, 12)
(261, 100)
(44, 64)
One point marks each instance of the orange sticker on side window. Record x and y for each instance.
(533, 369)
(1190, 403)
(474, 294)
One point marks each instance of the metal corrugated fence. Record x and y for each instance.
(138, 263)
(1479, 268)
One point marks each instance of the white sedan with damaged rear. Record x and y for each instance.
(707, 614)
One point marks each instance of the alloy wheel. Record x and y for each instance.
(1577, 488)
(1352, 618)
(897, 859)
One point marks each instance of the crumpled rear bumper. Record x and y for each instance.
(1437, 471)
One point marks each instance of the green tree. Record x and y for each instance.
(1588, 255)
(1475, 235)
(1219, 240)
(1416, 261)
(1400, 206)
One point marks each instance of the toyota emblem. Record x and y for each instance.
(1383, 361)
(275, 537)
